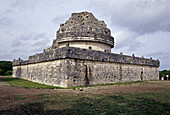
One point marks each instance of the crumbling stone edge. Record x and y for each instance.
(85, 54)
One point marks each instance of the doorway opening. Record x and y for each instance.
(141, 76)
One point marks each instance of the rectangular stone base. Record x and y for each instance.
(77, 72)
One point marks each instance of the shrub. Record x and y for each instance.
(8, 72)
(1, 71)
(5, 66)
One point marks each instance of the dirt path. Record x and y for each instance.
(150, 86)
(8, 93)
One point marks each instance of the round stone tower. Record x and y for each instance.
(83, 30)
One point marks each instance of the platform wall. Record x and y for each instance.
(74, 72)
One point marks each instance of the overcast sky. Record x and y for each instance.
(140, 27)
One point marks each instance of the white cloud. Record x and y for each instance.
(139, 27)
(143, 16)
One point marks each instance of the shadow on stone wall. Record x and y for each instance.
(18, 72)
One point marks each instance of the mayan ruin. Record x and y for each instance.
(81, 55)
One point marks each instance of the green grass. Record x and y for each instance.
(127, 103)
(42, 96)
(19, 97)
(91, 104)
(18, 82)
(118, 83)
(138, 103)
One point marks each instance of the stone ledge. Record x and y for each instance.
(72, 36)
(85, 54)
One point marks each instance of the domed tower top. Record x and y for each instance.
(83, 30)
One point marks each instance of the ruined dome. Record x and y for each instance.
(85, 31)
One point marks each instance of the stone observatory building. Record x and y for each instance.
(81, 55)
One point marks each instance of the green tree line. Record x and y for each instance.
(5, 68)
(164, 73)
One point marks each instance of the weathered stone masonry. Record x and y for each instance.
(70, 66)
(84, 59)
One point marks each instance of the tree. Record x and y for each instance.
(1, 71)
(164, 73)
(8, 72)
(5, 66)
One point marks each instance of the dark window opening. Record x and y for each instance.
(141, 76)
(90, 47)
(67, 44)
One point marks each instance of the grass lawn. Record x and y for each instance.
(84, 103)
(137, 103)
(18, 82)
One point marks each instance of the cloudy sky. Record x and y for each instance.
(140, 27)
